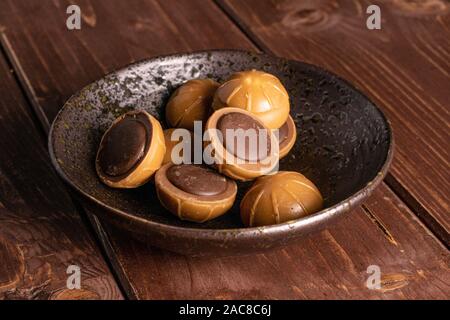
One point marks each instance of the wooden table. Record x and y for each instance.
(403, 228)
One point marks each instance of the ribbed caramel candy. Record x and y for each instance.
(279, 198)
(258, 92)
(191, 102)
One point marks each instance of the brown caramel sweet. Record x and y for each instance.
(241, 157)
(279, 198)
(191, 102)
(257, 92)
(287, 135)
(195, 193)
(130, 151)
(171, 144)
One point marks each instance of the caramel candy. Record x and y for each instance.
(279, 198)
(241, 156)
(287, 135)
(195, 193)
(257, 92)
(171, 144)
(191, 102)
(130, 151)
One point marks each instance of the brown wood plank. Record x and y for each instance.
(404, 68)
(134, 32)
(328, 265)
(41, 233)
(331, 264)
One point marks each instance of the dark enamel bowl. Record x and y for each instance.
(344, 145)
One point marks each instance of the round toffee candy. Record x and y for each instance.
(173, 143)
(191, 102)
(193, 192)
(279, 198)
(130, 151)
(287, 135)
(242, 146)
(257, 92)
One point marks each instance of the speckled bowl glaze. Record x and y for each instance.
(344, 144)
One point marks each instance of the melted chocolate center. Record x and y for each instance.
(196, 180)
(123, 147)
(247, 144)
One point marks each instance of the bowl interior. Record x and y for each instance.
(342, 138)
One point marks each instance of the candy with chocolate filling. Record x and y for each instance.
(287, 135)
(171, 144)
(191, 102)
(241, 153)
(195, 193)
(130, 151)
(258, 92)
(279, 198)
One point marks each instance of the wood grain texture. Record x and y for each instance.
(404, 68)
(332, 264)
(41, 232)
(329, 265)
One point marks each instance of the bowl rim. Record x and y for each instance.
(218, 234)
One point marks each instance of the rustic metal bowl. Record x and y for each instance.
(344, 145)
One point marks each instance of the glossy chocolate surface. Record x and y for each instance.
(251, 151)
(197, 180)
(194, 193)
(124, 145)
